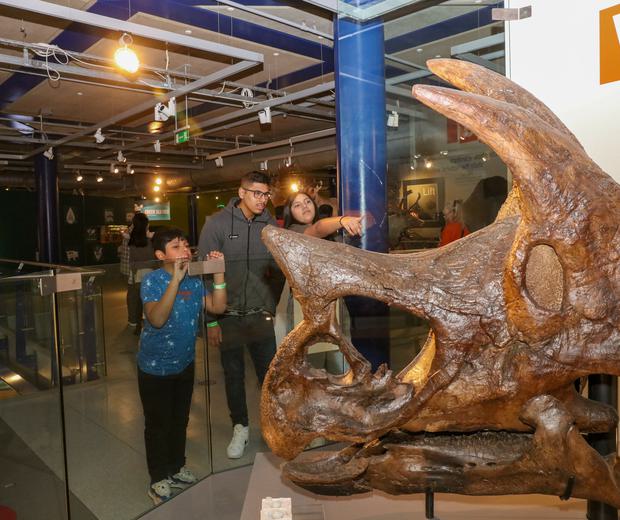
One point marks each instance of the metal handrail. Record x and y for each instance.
(69, 268)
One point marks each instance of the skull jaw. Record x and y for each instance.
(555, 460)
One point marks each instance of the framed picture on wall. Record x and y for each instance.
(424, 200)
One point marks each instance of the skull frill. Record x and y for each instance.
(518, 311)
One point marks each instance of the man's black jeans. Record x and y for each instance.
(166, 402)
(255, 332)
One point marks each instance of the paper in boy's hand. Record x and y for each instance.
(216, 265)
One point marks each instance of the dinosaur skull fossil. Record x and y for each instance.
(519, 310)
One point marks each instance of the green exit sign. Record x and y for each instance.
(182, 136)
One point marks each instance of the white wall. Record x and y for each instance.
(555, 55)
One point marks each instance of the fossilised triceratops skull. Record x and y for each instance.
(518, 310)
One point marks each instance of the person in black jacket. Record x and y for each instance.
(254, 285)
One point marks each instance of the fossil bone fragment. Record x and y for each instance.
(518, 311)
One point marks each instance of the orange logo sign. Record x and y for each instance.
(610, 44)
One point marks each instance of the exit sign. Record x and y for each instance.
(182, 136)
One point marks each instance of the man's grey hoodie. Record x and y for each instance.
(253, 279)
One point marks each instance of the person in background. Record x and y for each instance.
(173, 301)
(455, 227)
(301, 215)
(254, 286)
(140, 262)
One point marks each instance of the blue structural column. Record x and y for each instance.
(362, 149)
(46, 180)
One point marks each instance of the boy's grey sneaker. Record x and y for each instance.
(239, 441)
(160, 491)
(183, 477)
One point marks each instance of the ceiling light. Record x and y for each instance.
(188, 31)
(198, 196)
(125, 57)
(99, 137)
(157, 199)
(158, 180)
(294, 187)
(392, 120)
(79, 178)
(49, 153)
(263, 166)
(264, 116)
(157, 146)
(99, 178)
(80, 93)
(115, 169)
(437, 55)
(230, 8)
(120, 157)
(217, 198)
(428, 164)
(276, 54)
(419, 49)
(219, 162)
(444, 152)
(156, 188)
(130, 170)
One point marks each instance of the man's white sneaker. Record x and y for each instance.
(160, 491)
(239, 441)
(184, 476)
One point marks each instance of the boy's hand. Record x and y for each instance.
(214, 255)
(180, 269)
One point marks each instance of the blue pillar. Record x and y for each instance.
(362, 162)
(46, 180)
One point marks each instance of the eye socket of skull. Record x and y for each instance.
(544, 278)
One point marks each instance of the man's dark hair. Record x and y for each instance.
(164, 235)
(256, 176)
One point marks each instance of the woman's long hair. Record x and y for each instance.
(140, 224)
(289, 220)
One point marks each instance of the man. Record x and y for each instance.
(254, 285)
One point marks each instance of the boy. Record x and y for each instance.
(172, 304)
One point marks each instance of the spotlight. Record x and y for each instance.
(157, 199)
(79, 178)
(263, 165)
(99, 137)
(120, 157)
(125, 57)
(99, 178)
(392, 120)
(428, 164)
(157, 146)
(219, 162)
(156, 188)
(289, 162)
(158, 181)
(294, 187)
(444, 152)
(197, 196)
(163, 112)
(485, 157)
(264, 116)
(130, 170)
(49, 153)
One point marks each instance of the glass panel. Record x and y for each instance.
(31, 450)
(103, 410)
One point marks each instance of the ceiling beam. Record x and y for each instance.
(143, 107)
(278, 19)
(121, 26)
(312, 136)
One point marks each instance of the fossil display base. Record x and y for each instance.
(266, 480)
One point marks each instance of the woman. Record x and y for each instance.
(455, 227)
(301, 215)
(141, 258)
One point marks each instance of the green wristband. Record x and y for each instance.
(219, 285)
(212, 324)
